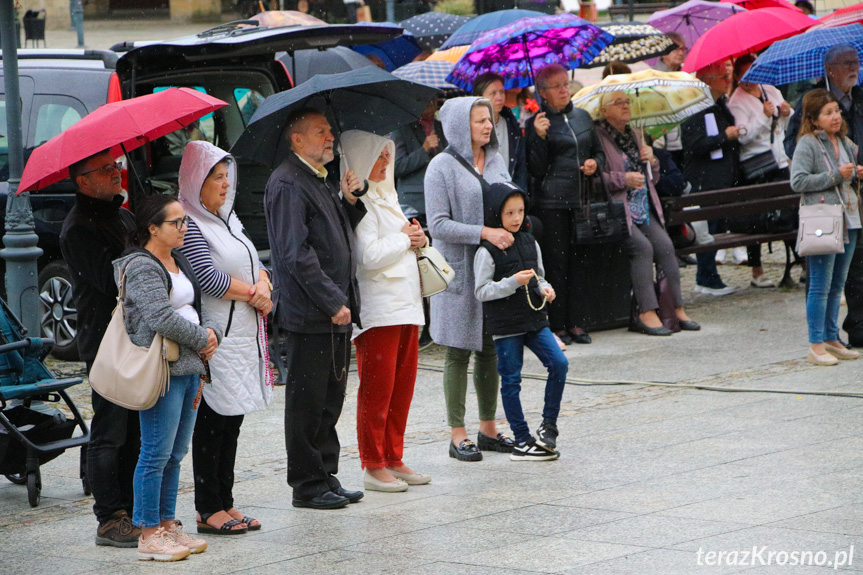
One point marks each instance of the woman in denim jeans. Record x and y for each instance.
(822, 170)
(162, 297)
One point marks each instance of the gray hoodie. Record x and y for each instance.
(455, 219)
(149, 311)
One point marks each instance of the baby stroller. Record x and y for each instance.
(32, 432)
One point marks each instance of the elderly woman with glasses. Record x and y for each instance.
(561, 146)
(630, 173)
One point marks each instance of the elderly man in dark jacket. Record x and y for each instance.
(711, 153)
(93, 235)
(416, 144)
(310, 221)
(561, 146)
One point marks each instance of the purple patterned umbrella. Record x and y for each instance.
(692, 19)
(519, 49)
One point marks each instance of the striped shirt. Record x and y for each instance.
(213, 282)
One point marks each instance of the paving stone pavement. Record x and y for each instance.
(651, 480)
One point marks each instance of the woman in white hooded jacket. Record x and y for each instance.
(236, 293)
(391, 314)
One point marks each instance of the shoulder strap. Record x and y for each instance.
(830, 169)
(467, 166)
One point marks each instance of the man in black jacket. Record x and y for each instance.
(93, 235)
(561, 146)
(310, 222)
(711, 153)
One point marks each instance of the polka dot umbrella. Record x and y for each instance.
(633, 43)
(433, 28)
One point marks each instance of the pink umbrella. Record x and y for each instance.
(842, 17)
(758, 4)
(693, 18)
(745, 33)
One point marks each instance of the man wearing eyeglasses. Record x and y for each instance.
(93, 235)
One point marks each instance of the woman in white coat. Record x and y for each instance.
(236, 293)
(391, 314)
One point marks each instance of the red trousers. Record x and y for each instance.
(387, 365)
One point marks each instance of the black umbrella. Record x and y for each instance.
(433, 28)
(367, 99)
(329, 61)
(633, 42)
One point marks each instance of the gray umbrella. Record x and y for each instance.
(330, 61)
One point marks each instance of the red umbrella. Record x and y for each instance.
(758, 4)
(120, 126)
(842, 17)
(745, 33)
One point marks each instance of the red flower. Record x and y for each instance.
(531, 106)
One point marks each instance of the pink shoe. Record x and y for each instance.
(180, 537)
(160, 547)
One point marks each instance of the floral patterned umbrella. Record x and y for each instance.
(519, 49)
(658, 100)
(633, 43)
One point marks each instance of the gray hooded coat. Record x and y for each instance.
(455, 219)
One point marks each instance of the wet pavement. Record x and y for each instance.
(653, 479)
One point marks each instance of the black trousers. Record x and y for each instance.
(214, 451)
(112, 454)
(561, 265)
(317, 365)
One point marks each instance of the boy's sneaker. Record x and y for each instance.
(118, 531)
(532, 450)
(180, 537)
(160, 547)
(547, 434)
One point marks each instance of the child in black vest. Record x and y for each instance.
(511, 286)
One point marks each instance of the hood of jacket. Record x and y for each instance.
(198, 159)
(493, 199)
(359, 152)
(455, 119)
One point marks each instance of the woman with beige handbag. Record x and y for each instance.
(391, 314)
(822, 170)
(162, 298)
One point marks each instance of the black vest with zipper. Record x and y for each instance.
(513, 314)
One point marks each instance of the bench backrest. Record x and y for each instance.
(729, 202)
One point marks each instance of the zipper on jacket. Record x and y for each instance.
(233, 302)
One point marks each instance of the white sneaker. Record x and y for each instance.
(161, 547)
(762, 281)
(740, 255)
(180, 537)
(720, 256)
(717, 291)
(533, 450)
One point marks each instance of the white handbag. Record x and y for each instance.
(821, 230)
(435, 273)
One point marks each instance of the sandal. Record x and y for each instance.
(250, 522)
(226, 528)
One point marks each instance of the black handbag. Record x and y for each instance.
(759, 166)
(599, 222)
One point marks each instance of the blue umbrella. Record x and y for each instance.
(482, 24)
(429, 72)
(393, 53)
(801, 57)
(367, 99)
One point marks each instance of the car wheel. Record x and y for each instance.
(59, 316)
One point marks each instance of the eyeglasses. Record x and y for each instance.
(620, 103)
(846, 63)
(179, 223)
(106, 170)
(557, 87)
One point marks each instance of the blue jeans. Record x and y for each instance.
(827, 276)
(166, 431)
(510, 358)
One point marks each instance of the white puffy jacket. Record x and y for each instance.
(387, 270)
(238, 368)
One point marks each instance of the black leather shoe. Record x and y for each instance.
(501, 443)
(689, 325)
(639, 327)
(466, 450)
(582, 338)
(352, 496)
(564, 336)
(328, 500)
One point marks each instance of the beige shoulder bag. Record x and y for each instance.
(128, 375)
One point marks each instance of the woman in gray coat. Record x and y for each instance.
(453, 189)
(162, 297)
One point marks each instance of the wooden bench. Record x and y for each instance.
(622, 10)
(733, 203)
